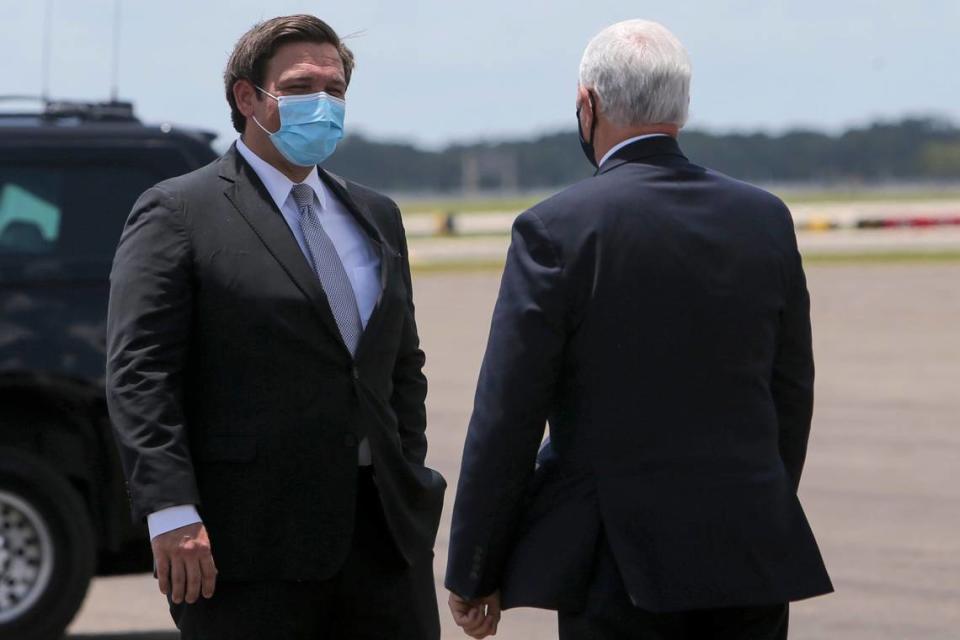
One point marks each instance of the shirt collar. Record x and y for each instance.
(277, 184)
(621, 145)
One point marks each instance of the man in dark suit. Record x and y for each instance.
(265, 376)
(657, 316)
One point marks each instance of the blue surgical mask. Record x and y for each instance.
(310, 127)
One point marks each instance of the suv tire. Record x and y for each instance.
(47, 549)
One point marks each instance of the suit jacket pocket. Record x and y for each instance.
(432, 487)
(551, 558)
(228, 448)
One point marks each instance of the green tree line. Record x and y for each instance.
(911, 149)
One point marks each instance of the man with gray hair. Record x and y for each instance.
(657, 316)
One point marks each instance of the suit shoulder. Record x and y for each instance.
(369, 196)
(756, 196)
(174, 198)
(188, 183)
(571, 199)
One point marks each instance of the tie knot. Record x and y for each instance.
(303, 196)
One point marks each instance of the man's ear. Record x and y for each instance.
(588, 105)
(245, 95)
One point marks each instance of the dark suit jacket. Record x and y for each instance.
(657, 315)
(230, 387)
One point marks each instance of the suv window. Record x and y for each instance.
(29, 211)
(72, 206)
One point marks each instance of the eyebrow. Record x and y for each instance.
(306, 79)
(334, 83)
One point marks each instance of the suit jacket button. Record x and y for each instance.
(356, 373)
(349, 440)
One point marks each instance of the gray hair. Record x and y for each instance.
(640, 72)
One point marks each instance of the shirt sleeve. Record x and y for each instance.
(160, 522)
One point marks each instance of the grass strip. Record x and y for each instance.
(812, 259)
(521, 203)
(883, 257)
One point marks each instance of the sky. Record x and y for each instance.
(435, 72)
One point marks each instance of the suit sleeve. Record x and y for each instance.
(514, 395)
(148, 325)
(409, 384)
(793, 371)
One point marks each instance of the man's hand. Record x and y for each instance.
(478, 618)
(185, 565)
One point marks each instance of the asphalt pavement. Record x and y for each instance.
(880, 486)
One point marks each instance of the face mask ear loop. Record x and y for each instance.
(259, 88)
(269, 133)
(266, 92)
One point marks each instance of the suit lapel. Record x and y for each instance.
(386, 253)
(357, 208)
(254, 204)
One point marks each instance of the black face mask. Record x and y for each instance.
(587, 145)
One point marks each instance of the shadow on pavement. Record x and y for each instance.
(126, 635)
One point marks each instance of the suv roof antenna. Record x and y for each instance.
(114, 84)
(45, 73)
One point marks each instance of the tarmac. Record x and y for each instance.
(880, 486)
(440, 253)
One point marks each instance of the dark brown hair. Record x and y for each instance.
(255, 48)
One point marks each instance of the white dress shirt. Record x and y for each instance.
(360, 261)
(621, 145)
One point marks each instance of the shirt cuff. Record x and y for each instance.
(160, 522)
(364, 454)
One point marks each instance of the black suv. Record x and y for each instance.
(69, 175)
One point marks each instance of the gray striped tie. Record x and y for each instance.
(327, 264)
